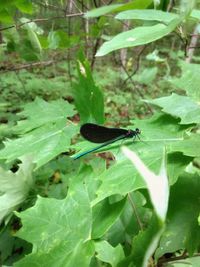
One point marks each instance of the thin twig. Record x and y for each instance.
(193, 44)
(137, 64)
(170, 5)
(42, 20)
(136, 89)
(29, 66)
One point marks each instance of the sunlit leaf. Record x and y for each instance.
(15, 187)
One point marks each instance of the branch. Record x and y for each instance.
(193, 44)
(41, 20)
(27, 66)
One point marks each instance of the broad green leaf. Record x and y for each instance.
(182, 229)
(87, 95)
(107, 253)
(189, 80)
(182, 107)
(40, 113)
(148, 14)
(137, 36)
(59, 257)
(15, 187)
(137, 4)
(107, 214)
(122, 178)
(47, 132)
(195, 14)
(60, 228)
(188, 146)
(43, 143)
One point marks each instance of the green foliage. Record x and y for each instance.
(88, 97)
(118, 7)
(15, 187)
(138, 36)
(134, 210)
(45, 133)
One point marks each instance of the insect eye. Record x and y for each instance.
(137, 130)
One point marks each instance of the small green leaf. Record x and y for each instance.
(189, 80)
(148, 14)
(32, 36)
(182, 107)
(107, 214)
(195, 14)
(58, 39)
(87, 95)
(137, 36)
(107, 253)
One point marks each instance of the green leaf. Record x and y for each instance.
(43, 143)
(189, 80)
(121, 178)
(58, 39)
(188, 146)
(32, 36)
(193, 262)
(176, 164)
(87, 95)
(137, 4)
(137, 36)
(15, 187)
(146, 76)
(195, 14)
(60, 228)
(24, 6)
(182, 230)
(107, 253)
(182, 107)
(5, 17)
(46, 134)
(107, 214)
(97, 12)
(40, 112)
(79, 256)
(144, 245)
(148, 14)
